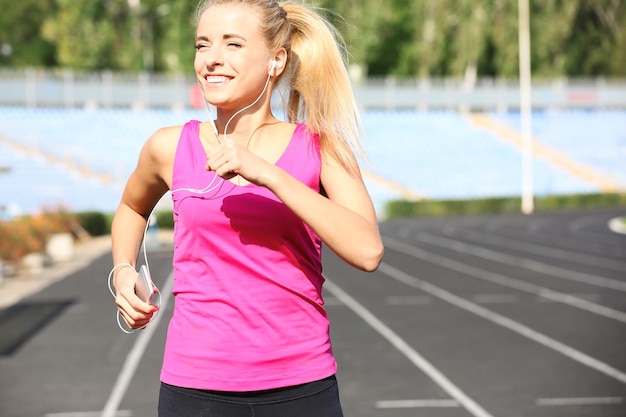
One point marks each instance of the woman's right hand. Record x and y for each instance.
(135, 312)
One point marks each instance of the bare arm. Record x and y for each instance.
(345, 221)
(145, 187)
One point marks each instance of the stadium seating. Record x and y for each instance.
(595, 138)
(81, 158)
(442, 156)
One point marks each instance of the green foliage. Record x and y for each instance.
(84, 34)
(597, 46)
(579, 201)
(94, 223)
(401, 38)
(454, 37)
(434, 208)
(99, 224)
(400, 208)
(165, 219)
(21, 43)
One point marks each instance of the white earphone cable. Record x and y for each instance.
(210, 186)
(157, 293)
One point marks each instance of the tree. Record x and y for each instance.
(401, 38)
(175, 48)
(551, 24)
(597, 46)
(393, 28)
(86, 32)
(504, 40)
(21, 43)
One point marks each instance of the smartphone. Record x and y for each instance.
(145, 288)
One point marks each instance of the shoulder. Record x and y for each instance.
(161, 146)
(166, 134)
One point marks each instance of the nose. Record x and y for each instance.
(213, 59)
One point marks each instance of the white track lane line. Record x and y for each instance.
(404, 300)
(411, 354)
(120, 413)
(541, 250)
(505, 281)
(578, 401)
(503, 321)
(529, 264)
(134, 356)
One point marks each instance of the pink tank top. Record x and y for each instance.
(248, 279)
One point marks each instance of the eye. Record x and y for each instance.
(201, 46)
(235, 45)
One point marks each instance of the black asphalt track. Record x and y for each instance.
(503, 316)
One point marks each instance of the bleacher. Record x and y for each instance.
(33, 184)
(81, 158)
(594, 138)
(443, 156)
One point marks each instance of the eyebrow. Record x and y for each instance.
(234, 35)
(226, 36)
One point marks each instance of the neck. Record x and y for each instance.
(261, 106)
(240, 126)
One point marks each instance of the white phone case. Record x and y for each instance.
(145, 288)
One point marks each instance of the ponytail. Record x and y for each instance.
(320, 92)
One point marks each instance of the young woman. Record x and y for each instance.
(254, 198)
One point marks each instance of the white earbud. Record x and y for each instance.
(274, 64)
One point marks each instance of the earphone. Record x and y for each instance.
(274, 65)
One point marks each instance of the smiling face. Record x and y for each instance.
(232, 59)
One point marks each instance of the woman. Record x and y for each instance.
(254, 198)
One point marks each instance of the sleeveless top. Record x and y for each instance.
(248, 311)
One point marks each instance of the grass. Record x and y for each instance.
(500, 205)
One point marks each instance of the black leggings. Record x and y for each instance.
(315, 399)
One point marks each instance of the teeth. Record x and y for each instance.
(216, 79)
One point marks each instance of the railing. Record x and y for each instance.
(46, 88)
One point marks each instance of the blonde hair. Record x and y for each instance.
(320, 93)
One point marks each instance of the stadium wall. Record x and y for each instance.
(70, 89)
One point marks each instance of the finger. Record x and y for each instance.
(227, 175)
(217, 164)
(224, 170)
(135, 325)
(135, 312)
(134, 319)
(219, 155)
(226, 155)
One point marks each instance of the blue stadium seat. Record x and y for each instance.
(594, 138)
(437, 154)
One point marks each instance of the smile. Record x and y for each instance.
(217, 80)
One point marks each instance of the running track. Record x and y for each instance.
(473, 316)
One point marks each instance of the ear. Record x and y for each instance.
(278, 63)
